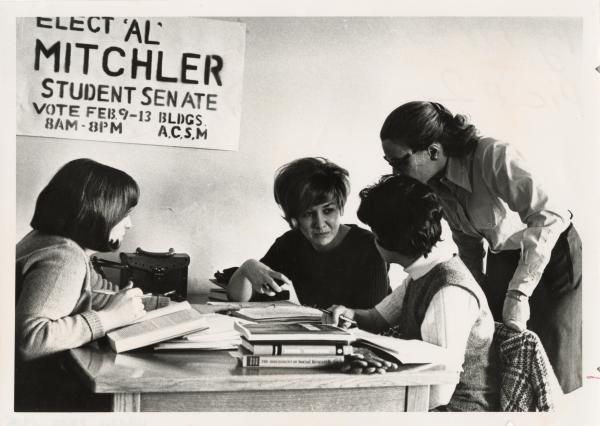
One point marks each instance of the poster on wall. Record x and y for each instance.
(157, 81)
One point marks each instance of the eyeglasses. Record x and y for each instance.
(398, 163)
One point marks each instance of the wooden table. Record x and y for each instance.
(213, 381)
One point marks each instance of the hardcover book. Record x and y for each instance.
(279, 313)
(289, 361)
(307, 332)
(297, 348)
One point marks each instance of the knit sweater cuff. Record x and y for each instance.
(94, 323)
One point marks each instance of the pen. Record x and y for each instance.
(112, 293)
(342, 317)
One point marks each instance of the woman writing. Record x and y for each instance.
(85, 208)
(533, 266)
(326, 261)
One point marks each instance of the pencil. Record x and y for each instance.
(342, 317)
(112, 293)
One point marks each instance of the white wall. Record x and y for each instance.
(322, 86)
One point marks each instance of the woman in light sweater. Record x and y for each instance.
(85, 208)
(440, 302)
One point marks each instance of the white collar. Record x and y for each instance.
(423, 264)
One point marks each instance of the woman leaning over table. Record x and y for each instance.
(533, 266)
(439, 302)
(85, 208)
(325, 260)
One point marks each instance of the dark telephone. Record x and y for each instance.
(159, 273)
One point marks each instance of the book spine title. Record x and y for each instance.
(290, 361)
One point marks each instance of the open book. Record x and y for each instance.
(403, 351)
(174, 320)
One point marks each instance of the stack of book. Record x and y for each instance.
(293, 345)
(218, 294)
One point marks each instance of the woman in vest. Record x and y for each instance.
(439, 302)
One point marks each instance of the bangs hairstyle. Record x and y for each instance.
(309, 181)
(404, 215)
(84, 201)
(419, 124)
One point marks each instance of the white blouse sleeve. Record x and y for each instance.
(447, 323)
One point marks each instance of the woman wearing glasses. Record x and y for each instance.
(325, 260)
(533, 268)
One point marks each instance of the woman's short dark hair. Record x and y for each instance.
(418, 124)
(404, 214)
(309, 181)
(84, 201)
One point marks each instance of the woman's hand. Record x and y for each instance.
(155, 302)
(366, 364)
(263, 278)
(338, 315)
(515, 312)
(123, 308)
(99, 300)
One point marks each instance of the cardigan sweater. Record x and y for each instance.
(55, 307)
(353, 274)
